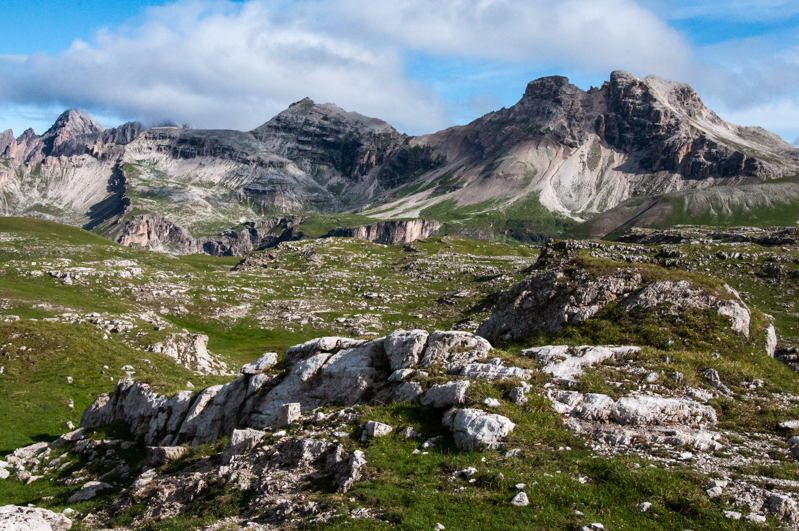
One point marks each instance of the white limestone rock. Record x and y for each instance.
(241, 442)
(404, 348)
(288, 413)
(88, 491)
(454, 347)
(653, 410)
(446, 395)
(262, 364)
(771, 340)
(160, 455)
(377, 429)
(13, 518)
(492, 373)
(474, 429)
(407, 392)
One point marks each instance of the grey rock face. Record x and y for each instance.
(159, 455)
(454, 347)
(474, 429)
(32, 519)
(391, 232)
(446, 395)
(241, 441)
(191, 351)
(771, 340)
(404, 348)
(264, 363)
(288, 413)
(88, 491)
(559, 293)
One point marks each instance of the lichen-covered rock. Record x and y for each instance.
(404, 348)
(474, 429)
(14, 518)
(446, 395)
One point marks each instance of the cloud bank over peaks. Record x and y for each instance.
(216, 64)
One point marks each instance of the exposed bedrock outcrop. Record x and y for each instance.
(391, 232)
(321, 371)
(560, 291)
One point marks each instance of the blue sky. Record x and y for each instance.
(420, 65)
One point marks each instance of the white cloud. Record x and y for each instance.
(220, 65)
(217, 63)
(597, 35)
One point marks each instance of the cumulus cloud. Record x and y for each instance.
(597, 35)
(218, 63)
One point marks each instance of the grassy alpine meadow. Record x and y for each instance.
(78, 313)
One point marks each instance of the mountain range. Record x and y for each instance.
(631, 152)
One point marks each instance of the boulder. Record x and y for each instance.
(454, 347)
(214, 413)
(517, 396)
(405, 348)
(446, 395)
(474, 429)
(520, 500)
(654, 410)
(492, 372)
(88, 491)
(771, 340)
(160, 455)
(241, 441)
(262, 364)
(14, 518)
(783, 507)
(288, 413)
(595, 407)
(407, 392)
(352, 472)
(377, 429)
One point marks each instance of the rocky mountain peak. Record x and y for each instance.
(551, 88)
(73, 123)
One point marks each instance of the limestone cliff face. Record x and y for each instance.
(560, 149)
(391, 232)
(155, 233)
(580, 152)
